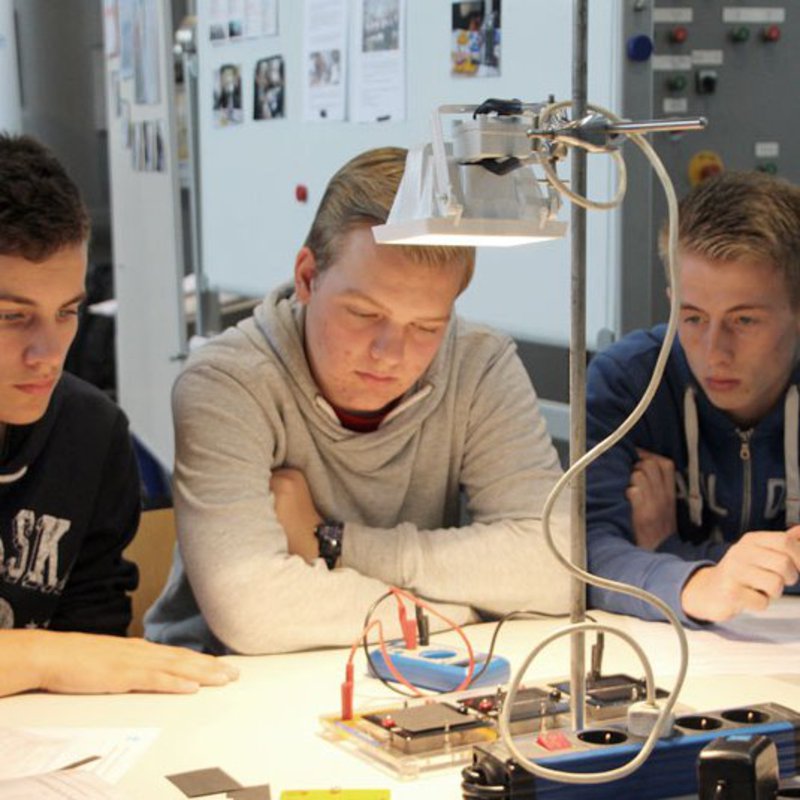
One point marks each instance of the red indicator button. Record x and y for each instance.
(709, 171)
(771, 33)
(553, 740)
(301, 193)
(679, 35)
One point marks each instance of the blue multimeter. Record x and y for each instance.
(439, 667)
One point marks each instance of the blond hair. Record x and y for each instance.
(744, 217)
(362, 193)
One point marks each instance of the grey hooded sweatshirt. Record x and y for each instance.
(247, 404)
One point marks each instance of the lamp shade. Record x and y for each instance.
(478, 208)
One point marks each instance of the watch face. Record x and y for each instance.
(329, 530)
(329, 536)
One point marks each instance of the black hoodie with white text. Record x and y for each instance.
(69, 505)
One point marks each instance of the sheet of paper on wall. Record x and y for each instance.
(111, 27)
(58, 785)
(146, 53)
(108, 752)
(236, 19)
(324, 60)
(269, 17)
(378, 82)
(125, 22)
(260, 18)
(218, 20)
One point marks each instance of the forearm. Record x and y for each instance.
(689, 551)
(662, 574)
(282, 604)
(496, 568)
(21, 654)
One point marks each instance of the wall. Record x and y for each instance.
(252, 224)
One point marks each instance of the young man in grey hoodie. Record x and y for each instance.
(323, 447)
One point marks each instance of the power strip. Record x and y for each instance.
(669, 772)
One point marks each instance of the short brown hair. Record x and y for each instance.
(362, 193)
(41, 210)
(743, 216)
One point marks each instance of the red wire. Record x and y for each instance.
(454, 625)
(396, 674)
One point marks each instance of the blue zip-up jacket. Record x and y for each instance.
(728, 481)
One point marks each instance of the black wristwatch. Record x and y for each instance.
(329, 535)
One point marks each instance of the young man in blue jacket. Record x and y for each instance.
(700, 502)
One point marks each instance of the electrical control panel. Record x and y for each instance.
(731, 62)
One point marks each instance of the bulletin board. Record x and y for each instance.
(145, 204)
(254, 171)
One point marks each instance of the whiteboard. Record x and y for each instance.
(252, 225)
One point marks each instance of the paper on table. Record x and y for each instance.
(68, 785)
(750, 644)
(32, 751)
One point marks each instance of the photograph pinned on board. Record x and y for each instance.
(268, 88)
(125, 127)
(381, 25)
(325, 68)
(149, 139)
(228, 95)
(116, 93)
(137, 146)
(153, 137)
(475, 39)
(235, 28)
(217, 31)
(160, 159)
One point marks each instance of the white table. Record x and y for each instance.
(264, 728)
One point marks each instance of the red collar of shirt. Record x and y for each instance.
(365, 422)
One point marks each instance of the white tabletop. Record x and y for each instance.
(265, 728)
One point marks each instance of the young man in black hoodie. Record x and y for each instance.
(69, 488)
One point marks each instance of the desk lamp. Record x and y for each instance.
(481, 189)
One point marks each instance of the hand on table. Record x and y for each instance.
(80, 663)
(752, 573)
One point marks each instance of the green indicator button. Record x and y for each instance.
(740, 33)
(677, 83)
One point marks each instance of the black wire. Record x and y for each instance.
(523, 614)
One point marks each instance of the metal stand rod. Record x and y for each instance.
(659, 125)
(577, 364)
